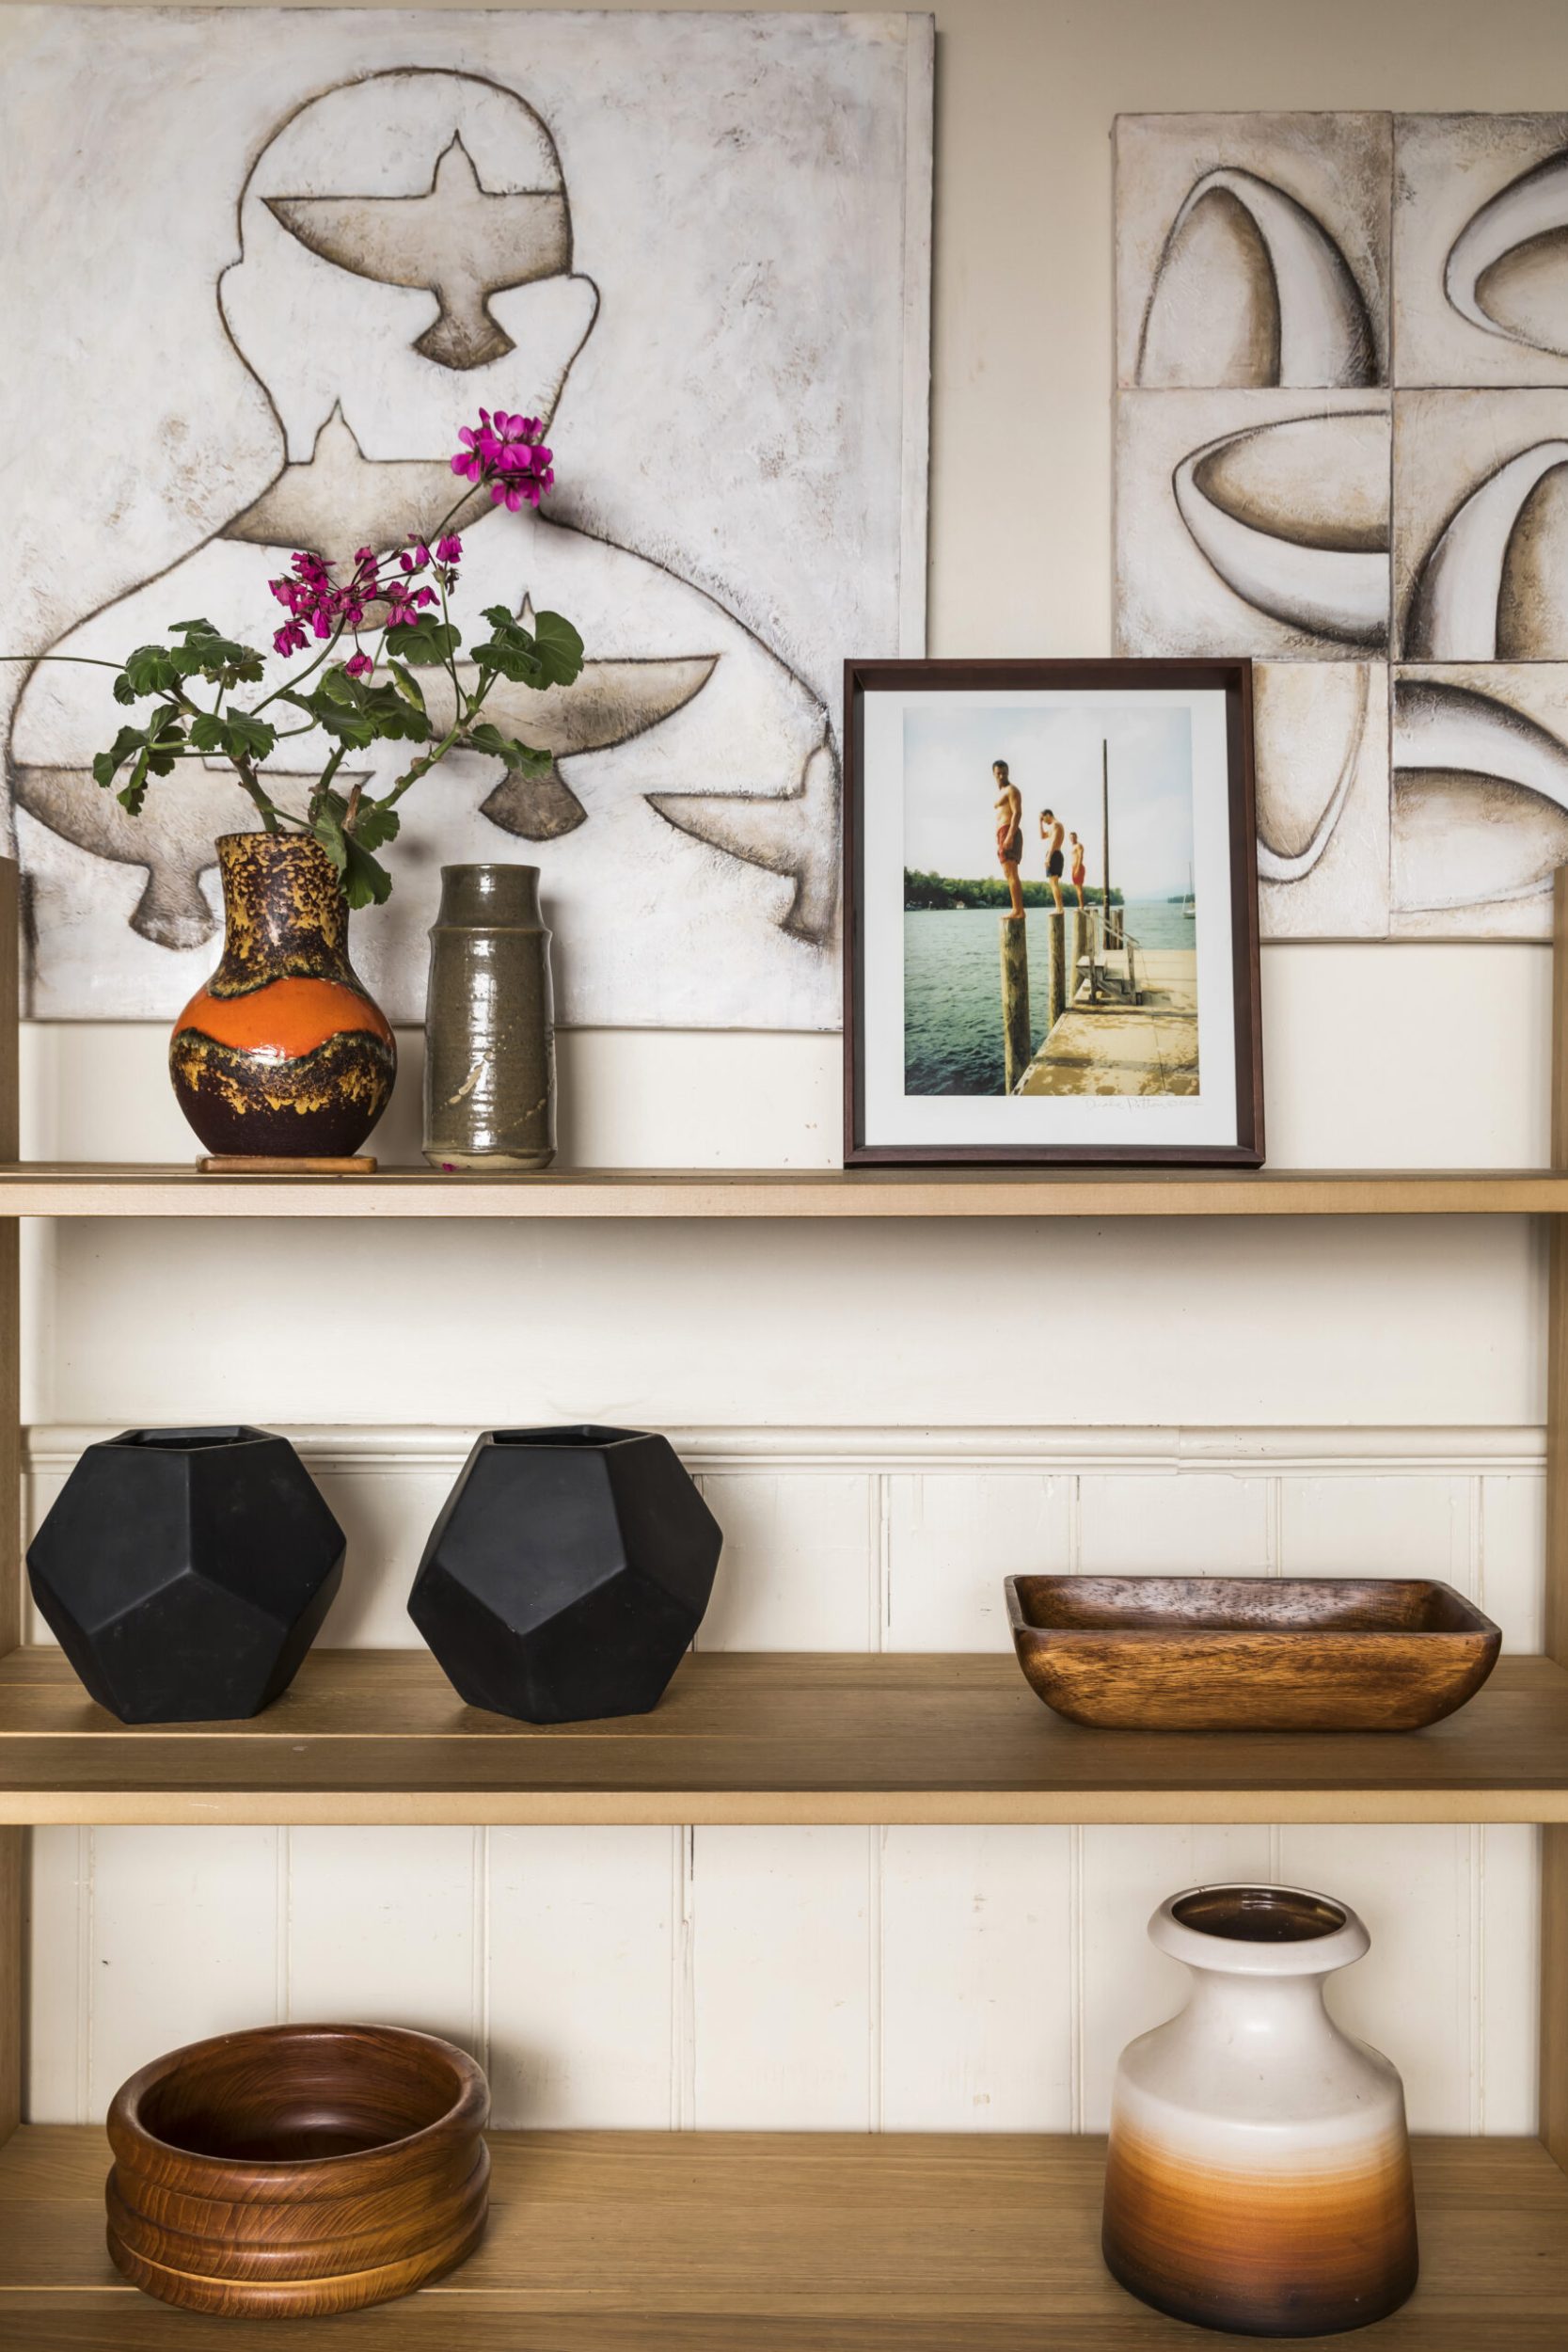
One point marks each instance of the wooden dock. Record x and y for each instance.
(1106, 1046)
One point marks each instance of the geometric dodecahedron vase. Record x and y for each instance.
(567, 1573)
(185, 1572)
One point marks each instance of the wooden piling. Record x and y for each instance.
(1015, 1049)
(1055, 993)
(1080, 947)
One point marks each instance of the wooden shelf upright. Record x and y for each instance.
(669, 2242)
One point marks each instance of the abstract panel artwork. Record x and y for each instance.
(697, 246)
(1342, 447)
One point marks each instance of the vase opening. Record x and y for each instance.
(185, 1440)
(585, 1434)
(1260, 1915)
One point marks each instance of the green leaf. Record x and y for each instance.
(367, 882)
(327, 826)
(107, 765)
(236, 732)
(406, 683)
(559, 647)
(374, 825)
(482, 736)
(150, 670)
(427, 643)
(550, 654)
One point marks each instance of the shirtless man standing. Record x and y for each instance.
(1053, 832)
(1010, 834)
(1077, 875)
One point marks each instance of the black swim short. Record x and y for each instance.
(1053, 866)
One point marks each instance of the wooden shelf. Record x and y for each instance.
(47, 1190)
(368, 1736)
(788, 2242)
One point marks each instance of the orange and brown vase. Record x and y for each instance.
(1259, 2173)
(283, 1054)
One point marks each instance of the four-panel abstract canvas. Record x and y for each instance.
(1342, 447)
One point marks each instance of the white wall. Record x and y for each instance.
(620, 1975)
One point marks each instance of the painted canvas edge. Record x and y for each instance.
(919, 225)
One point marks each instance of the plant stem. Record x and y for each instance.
(323, 783)
(299, 675)
(89, 660)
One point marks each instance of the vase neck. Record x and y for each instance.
(1260, 2010)
(284, 913)
(500, 896)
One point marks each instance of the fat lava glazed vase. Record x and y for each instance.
(1259, 2173)
(282, 1052)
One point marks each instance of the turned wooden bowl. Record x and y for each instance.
(1249, 1653)
(297, 2170)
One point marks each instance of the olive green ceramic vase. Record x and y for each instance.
(489, 1073)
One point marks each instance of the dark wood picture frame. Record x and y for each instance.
(1234, 678)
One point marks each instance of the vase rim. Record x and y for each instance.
(1245, 1929)
(276, 840)
(492, 865)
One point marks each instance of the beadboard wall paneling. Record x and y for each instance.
(846, 1980)
(909, 1978)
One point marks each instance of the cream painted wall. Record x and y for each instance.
(902, 1957)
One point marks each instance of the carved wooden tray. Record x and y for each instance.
(1250, 1653)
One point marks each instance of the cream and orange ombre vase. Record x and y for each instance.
(284, 1053)
(1259, 2175)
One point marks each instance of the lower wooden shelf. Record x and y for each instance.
(368, 1736)
(758, 2242)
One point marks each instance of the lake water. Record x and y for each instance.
(953, 990)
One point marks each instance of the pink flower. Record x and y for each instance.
(289, 639)
(449, 549)
(505, 452)
(359, 665)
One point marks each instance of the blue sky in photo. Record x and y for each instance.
(1054, 758)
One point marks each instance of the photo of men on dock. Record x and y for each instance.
(1050, 916)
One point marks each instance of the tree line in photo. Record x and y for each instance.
(928, 893)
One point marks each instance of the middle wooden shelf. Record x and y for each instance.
(380, 1736)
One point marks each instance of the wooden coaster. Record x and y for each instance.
(259, 1167)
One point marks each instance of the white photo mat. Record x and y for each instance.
(892, 1117)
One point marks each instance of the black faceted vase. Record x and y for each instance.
(566, 1574)
(185, 1572)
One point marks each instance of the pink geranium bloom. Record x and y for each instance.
(359, 665)
(505, 452)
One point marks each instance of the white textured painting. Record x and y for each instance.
(1481, 246)
(1255, 520)
(1479, 802)
(697, 246)
(1253, 250)
(1481, 500)
(1321, 745)
(1342, 444)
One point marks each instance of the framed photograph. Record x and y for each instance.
(1052, 909)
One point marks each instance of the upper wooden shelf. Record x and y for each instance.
(788, 2242)
(43, 1188)
(380, 1736)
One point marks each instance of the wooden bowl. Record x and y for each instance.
(1249, 1653)
(297, 2170)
